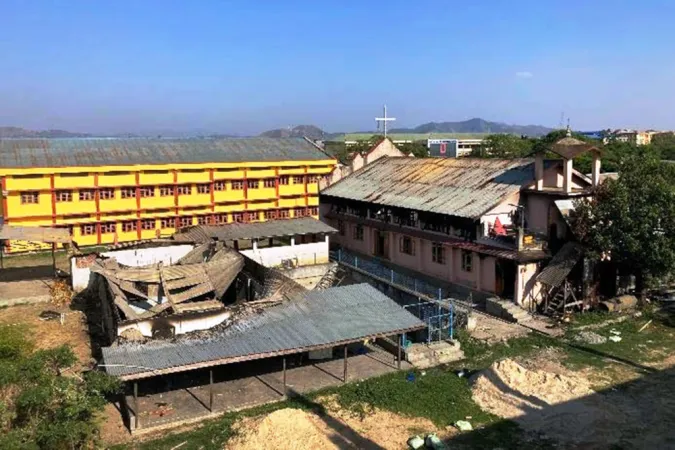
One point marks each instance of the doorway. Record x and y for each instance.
(381, 249)
(505, 278)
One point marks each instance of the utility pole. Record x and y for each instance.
(384, 121)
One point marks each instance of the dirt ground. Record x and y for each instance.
(292, 429)
(547, 399)
(50, 333)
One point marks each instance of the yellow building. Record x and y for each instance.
(115, 190)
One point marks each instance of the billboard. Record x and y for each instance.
(442, 148)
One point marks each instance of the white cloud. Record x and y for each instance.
(524, 74)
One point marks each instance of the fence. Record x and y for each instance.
(437, 311)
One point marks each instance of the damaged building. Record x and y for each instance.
(216, 311)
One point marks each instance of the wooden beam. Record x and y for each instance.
(398, 359)
(210, 390)
(344, 373)
(137, 413)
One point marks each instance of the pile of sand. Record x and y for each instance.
(285, 429)
(561, 406)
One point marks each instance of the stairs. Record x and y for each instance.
(332, 277)
(423, 356)
(507, 310)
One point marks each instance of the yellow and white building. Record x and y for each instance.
(114, 190)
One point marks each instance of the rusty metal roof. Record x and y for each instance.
(255, 230)
(15, 153)
(312, 320)
(462, 187)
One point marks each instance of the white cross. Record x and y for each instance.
(384, 121)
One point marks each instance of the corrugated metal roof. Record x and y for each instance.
(462, 187)
(35, 234)
(315, 318)
(561, 265)
(255, 230)
(117, 152)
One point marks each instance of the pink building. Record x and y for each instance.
(489, 225)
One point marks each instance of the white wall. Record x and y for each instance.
(301, 254)
(167, 255)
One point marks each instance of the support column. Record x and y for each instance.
(255, 244)
(292, 241)
(595, 172)
(210, 390)
(344, 373)
(54, 258)
(479, 270)
(567, 176)
(398, 359)
(539, 171)
(283, 371)
(137, 413)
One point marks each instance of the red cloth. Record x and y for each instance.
(498, 228)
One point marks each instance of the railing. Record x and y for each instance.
(437, 310)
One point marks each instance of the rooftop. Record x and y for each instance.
(462, 187)
(255, 230)
(311, 320)
(88, 152)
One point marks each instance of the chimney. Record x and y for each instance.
(539, 171)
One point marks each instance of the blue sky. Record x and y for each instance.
(247, 66)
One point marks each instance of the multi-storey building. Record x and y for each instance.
(108, 190)
(488, 225)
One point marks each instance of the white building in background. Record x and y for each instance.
(452, 148)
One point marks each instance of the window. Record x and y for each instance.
(184, 190)
(64, 196)
(252, 184)
(269, 183)
(237, 217)
(156, 172)
(118, 173)
(74, 174)
(166, 191)
(129, 226)
(219, 186)
(168, 222)
(107, 228)
(203, 220)
(268, 215)
(148, 224)
(284, 214)
(237, 185)
(88, 229)
(283, 180)
(298, 180)
(29, 198)
(128, 193)
(314, 211)
(341, 228)
(467, 261)
(251, 217)
(147, 192)
(406, 245)
(87, 194)
(184, 221)
(438, 253)
(358, 232)
(203, 189)
(299, 212)
(193, 170)
(220, 219)
(29, 176)
(312, 179)
(106, 194)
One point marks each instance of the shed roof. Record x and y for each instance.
(561, 265)
(462, 187)
(315, 319)
(35, 234)
(569, 147)
(15, 153)
(255, 230)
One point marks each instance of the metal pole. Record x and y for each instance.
(137, 413)
(284, 374)
(452, 311)
(210, 390)
(2, 252)
(54, 257)
(398, 360)
(344, 375)
(392, 276)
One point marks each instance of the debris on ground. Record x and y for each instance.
(416, 443)
(590, 337)
(61, 293)
(50, 315)
(433, 442)
(615, 338)
(463, 425)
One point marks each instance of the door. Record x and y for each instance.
(381, 249)
(505, 278)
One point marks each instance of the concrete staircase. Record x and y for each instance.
(507, 310)
(423, 356)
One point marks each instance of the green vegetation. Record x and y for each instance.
(629, 219)
(41, 407)
(414, 136)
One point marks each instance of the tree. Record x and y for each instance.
(664, 145)
(504, 146)
(630, 220)
(418, 149)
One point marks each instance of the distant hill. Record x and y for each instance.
(309, 131)
(475, 126)
(16, 132)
